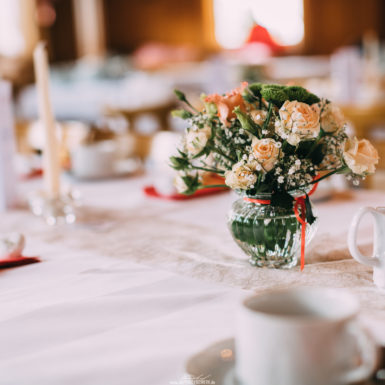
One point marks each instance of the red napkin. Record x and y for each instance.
(151, 191)
(33, 174)
(17, 261)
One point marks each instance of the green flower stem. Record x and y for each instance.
(267, 121)
(214, 170)
(221, 153)
(338, 170)
(259, 181)
(315, 144)
(213, 186)
(182, 97)
(192, 107)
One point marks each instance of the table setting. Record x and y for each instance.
(220, 266)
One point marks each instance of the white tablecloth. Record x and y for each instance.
(138, 285)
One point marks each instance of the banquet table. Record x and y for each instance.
(138, 285)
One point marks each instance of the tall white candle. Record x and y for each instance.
(51, 161)
(7, 149)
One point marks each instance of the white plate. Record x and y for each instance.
(216, 365)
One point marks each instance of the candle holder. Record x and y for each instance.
(55, 209)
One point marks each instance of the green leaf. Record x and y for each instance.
(180, 162)
(301, 95)
(278, 94)
(304, 148)
(322, 133)
(344, 170)
(310, 218)
(181, 96)
(296, 93)
(282, 199)
(183, 114)
(288, 149)
(211, 108)
(317, 155)
(248, 96)
(311, 99)
(205, 151)
(192, 183)
(255, 89)
(274, 93)
(246, 122)
(268, 117)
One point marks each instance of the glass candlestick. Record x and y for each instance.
(57, 209)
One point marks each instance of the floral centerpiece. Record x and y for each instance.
(272, 144)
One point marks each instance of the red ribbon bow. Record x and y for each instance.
(301, 218)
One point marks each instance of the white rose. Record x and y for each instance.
(360, 156)
(299, 121)
(196, 140)
(332, 118)
(265, 152)
(241, 176)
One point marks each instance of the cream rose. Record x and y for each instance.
(360, 156)
(332, 118)
(241, 176)
(298, 121)
(266, 152)
(196, 139)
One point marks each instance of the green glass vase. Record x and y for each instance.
(269, 235)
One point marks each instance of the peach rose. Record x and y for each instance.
(258, 116)
(332, 118)
(241, 176)
(360, 156)
(196, 139)
(266, 152)
(226, 104)
(298, 121)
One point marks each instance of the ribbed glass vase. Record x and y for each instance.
(269, 235)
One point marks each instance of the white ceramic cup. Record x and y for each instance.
(96, 160)
(304, 336)
(377, 261)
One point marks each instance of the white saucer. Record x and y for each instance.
(216, 365)
(121, 168)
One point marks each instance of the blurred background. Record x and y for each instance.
(114, 64)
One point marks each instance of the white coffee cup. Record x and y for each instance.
(96, 160)
(304, 336)
(377, 261)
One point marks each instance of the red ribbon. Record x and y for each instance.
(300, 201)
(302, 220)
(260, 201)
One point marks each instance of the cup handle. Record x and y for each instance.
(352, 238)
(368, 354)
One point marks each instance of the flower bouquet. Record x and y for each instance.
(272, 144)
